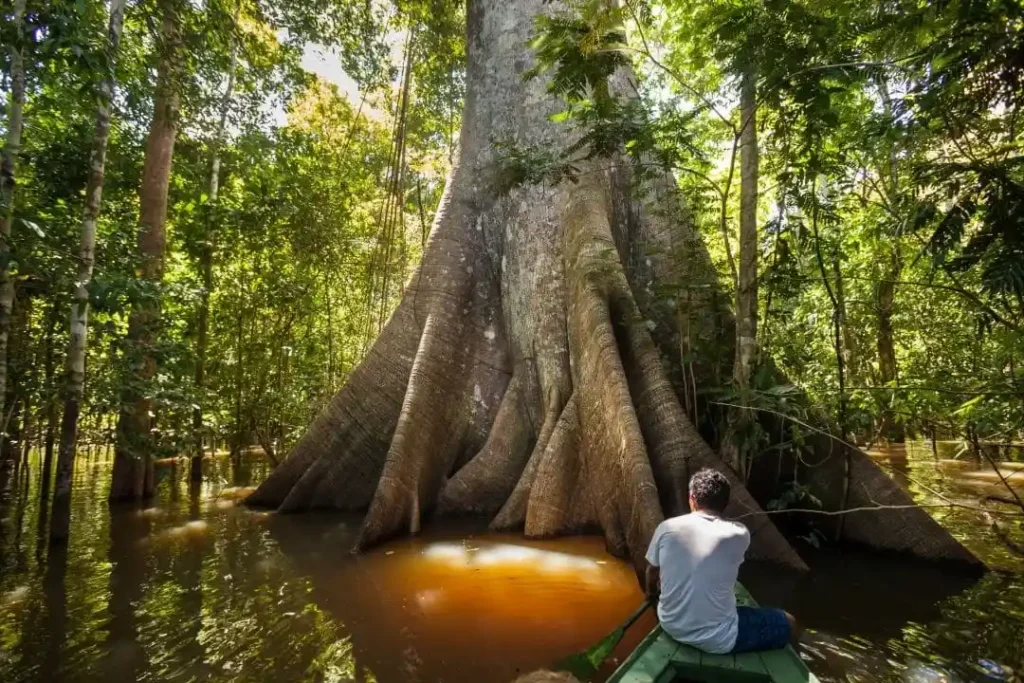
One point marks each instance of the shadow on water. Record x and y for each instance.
(195, 587)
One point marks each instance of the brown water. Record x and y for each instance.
(196, 587)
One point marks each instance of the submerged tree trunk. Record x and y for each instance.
(49, 406)
(17, 386)
(133, 460)
(524, 374)
(8, 175)
(75, 387)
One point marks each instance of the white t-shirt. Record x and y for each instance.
(699, 555)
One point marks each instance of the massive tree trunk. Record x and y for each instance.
(75, 387)
(8, 174)
(525, 375)
(133, 461)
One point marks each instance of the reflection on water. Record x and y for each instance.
(950, 473)
(196, 587)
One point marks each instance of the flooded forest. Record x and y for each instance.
(369, 342)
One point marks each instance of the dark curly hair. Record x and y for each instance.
(710, 490)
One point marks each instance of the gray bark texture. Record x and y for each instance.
(530, 372)
(8, 179)
(736, 450)
(75, 388)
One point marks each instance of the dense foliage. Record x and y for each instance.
(891, 203)
(325, 197)
(891, 182)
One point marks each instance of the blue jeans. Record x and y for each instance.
(761, 628)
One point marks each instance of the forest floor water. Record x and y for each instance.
(196, 587)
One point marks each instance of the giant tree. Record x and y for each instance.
(525, 373)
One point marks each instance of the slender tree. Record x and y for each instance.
(885, 292)
(737, 448)
(75, 387)
(8, 176)
(206, 259)
(888, 375)
(50, 406)
(133, 460)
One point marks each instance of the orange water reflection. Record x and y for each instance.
(479, 609)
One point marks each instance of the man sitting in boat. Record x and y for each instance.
(693, 561)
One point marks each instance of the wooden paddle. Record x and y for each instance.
(585, 664)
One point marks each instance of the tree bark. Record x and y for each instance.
(888, 374)
(738, 449)
(75, 385)
(8, 176)
(17, 387)
(525, 372)
(206, 264)
(518, 376)
(891, 428)
(49, 406)
(133, 460)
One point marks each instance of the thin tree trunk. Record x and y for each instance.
(50, 405)
(29, 428)
(75, 386)
(9, 448)
(886, 290)
(236, 441)
(8, 175)
(17, 387)
(133, 461)
(841, 332)
(206, 265)
(837, 297)
(842, 363)
(738, 449)
(330, 333)
(888, 372)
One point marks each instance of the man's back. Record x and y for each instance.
(699, 556)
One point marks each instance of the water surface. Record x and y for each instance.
(195, 587)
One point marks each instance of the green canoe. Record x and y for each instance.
(659, 659)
